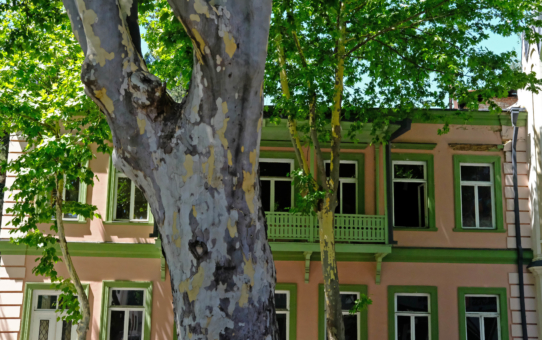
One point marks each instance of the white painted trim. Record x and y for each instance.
(285, 312)
(477, 184)
(126, 309)
(407, 180)
(118, 175)
(412, 315)
(272, 180)
(343, 180)
(483, 315)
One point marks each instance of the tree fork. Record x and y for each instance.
(195, 161)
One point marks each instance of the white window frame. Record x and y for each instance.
(407, 180)
(51, 314)
(273, 179)
(477, 184)
(412, 315)
(285, 311)
(118, 175)
(126, 310)
(347, 312)
(343, 180)
(481, 315)
(81, 198)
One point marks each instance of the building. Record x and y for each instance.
(425, 228)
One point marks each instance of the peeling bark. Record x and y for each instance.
(196, 161)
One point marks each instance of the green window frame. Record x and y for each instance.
(495, 161)
(291, 288)
(430, 180)
(29, 289)
(363, 315)
(108, 286)
(283, 155)
(503, 308)
(111, 192)
(433, 296)
(360, 159)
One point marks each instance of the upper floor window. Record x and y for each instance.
(482, 317)
(276, 184)
(74, 191)
(348, 187)
(477, 192)
(412, 316)
(130, 203)
(282, 307)
(410, 194)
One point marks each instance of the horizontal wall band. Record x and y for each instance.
(293, 251)
(414, 146)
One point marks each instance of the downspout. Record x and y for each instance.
(514, 115)
(405, 127)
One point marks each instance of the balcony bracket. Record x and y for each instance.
(307, 255)
(378, 258)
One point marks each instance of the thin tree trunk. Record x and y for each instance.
(196, 161)
(4, 149)
(84, 306)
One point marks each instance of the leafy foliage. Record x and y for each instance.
(43, 102)
(361, 304)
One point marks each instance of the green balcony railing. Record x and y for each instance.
(348, 228)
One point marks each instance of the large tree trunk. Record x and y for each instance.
(197, 161)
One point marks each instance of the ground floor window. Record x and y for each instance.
(127, 309)
(44, 324)
(413, 312)
(286, 310)
(355, 325)
(483, 313)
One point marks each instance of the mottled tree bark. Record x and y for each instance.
(196, 161)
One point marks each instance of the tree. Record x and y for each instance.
(331, 61)
(195, 161)
(42, 100)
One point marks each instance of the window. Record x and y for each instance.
(477, 206)
(348, 187)
(286, 310)
(412, 316)
(413, 191)
(39, 321)
(412, 313)
(71, 194)
(127, 310)
(478, 193)
(409, 194)
(355, 326)
(126, 202)
(483, 314)
(276, 184)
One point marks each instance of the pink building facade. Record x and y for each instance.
(425, 228)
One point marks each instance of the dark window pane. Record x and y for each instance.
(467, 206)
(473, 328)
(421, 328)
(481, 303)
(347, 170)
(475, 173)
(281, 320)
(328, 169)
(408, 171)
(403, 327)
(141, 208)
(350, 327)
(485, 212)
(349, 198)
(66, 330)
(127, 297)
(123, 198)
(135, 325)
(47, 301)
(339, 201)
(281, 301)
(491, 328)
(43, 331)
(283, 195)
(274, 169)
(116, 325)
(72, 195)
(266, 195)
(348, 301)
(412, 303)
(409, 204)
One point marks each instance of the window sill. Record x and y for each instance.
(74, 222)
(146, 223)
(479, 230)
(414, 229)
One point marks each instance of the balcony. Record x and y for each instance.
(283, 226)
